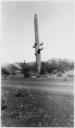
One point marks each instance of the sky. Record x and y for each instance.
(55, 22)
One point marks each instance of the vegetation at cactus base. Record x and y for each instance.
(52, 66)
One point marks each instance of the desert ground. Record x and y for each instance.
(37, 102)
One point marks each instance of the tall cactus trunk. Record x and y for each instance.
(37, 46)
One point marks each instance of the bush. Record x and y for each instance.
(43, 68)
(4, 100)
(22, 93)
(25, 70)
(59, 74)
(70, 75)
(4, 71)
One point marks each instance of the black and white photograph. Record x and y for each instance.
(37, 63)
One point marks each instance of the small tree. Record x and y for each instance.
(25, 70)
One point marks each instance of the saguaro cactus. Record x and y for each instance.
(37, 46)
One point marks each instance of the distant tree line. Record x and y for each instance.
(50, 67)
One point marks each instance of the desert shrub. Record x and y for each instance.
(22, 93)
(4, 71)
(13, 69)
(54, 66)
(43, 68)
(3, 104)
(70, 75)
(54, 71)
(14, 114)
(59, 74)
(25, 70)
(3, 100)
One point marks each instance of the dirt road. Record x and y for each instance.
(50, 85)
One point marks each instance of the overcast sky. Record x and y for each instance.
(55, 21)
